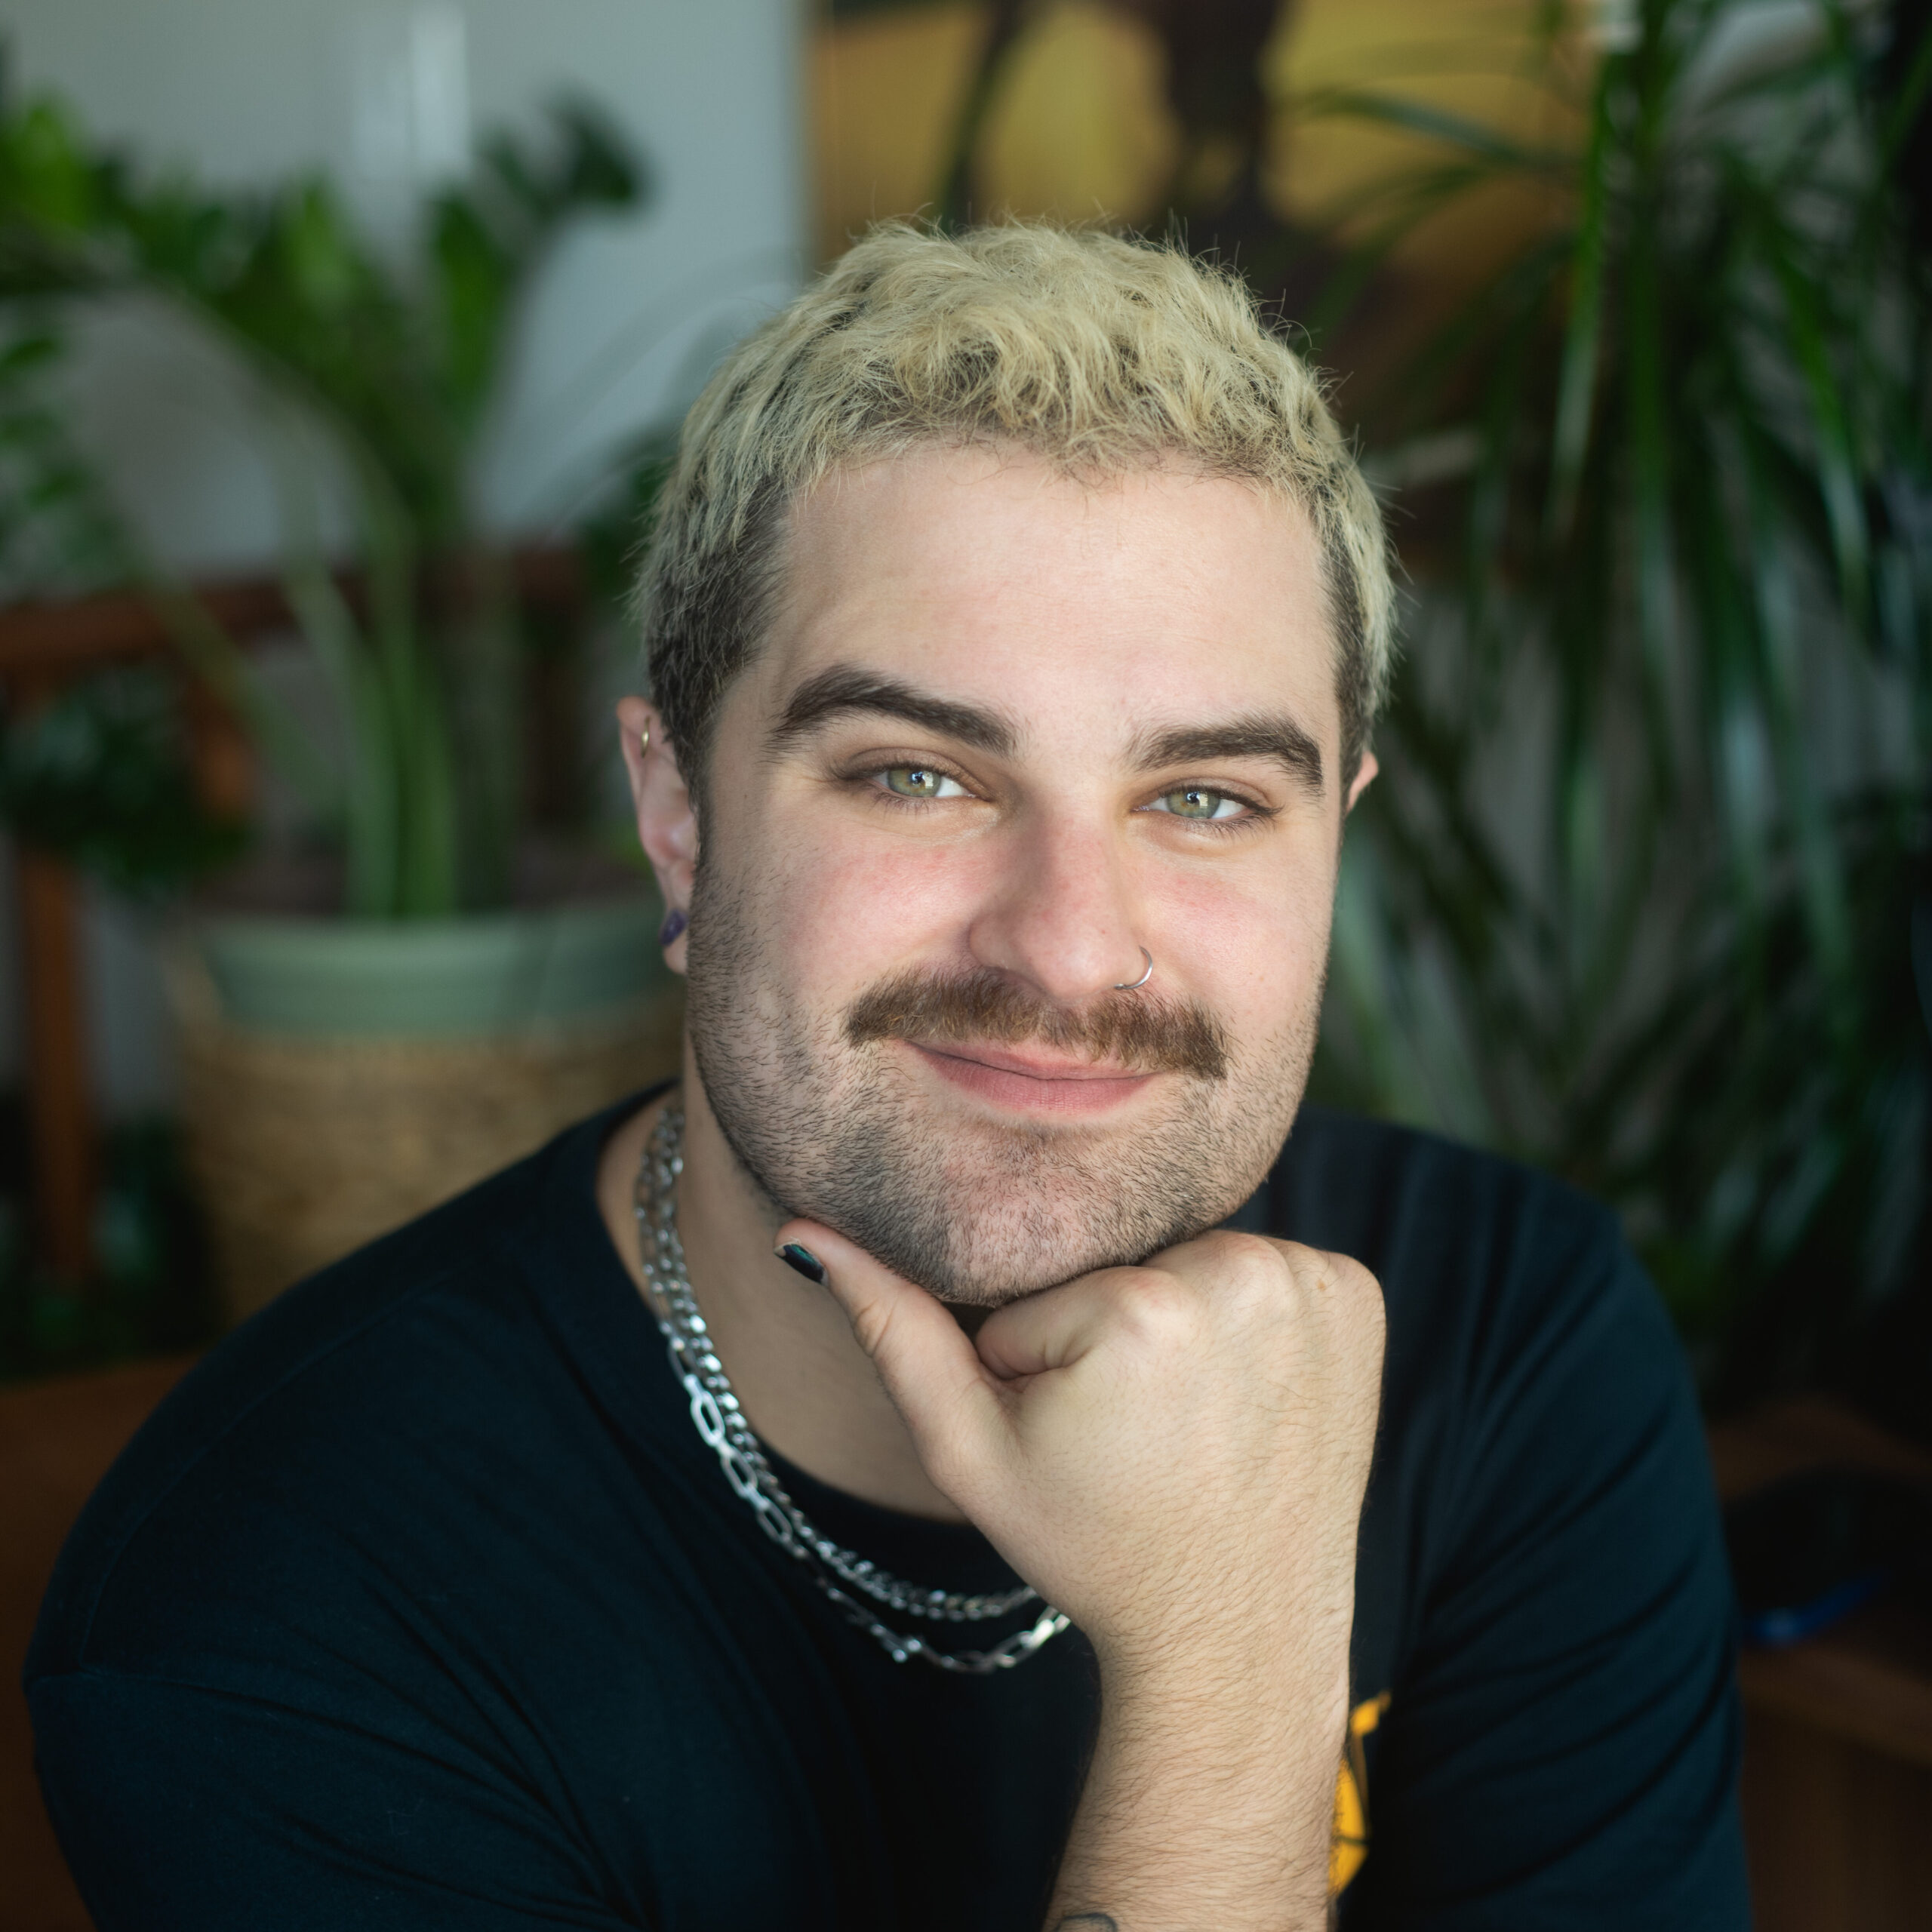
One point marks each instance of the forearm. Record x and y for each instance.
(1208, 1805)
(1176, 1456)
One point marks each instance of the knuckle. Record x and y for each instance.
(1246, 1256)
(1350, 1273)
(1247, 1268)
(1156, 1308)
(1321, 1268)
(1361, 1292)
(1231, 1245)
(1304, 1263)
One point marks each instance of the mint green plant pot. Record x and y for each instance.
(340, 1077)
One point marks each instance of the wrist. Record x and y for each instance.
(1250, 1702)
(1293, 1658)
(1206, 1803)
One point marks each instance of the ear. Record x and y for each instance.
(1359, 785)
(666, 825)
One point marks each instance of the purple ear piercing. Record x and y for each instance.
(673, 927)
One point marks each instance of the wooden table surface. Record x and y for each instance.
(1838, 1752)
(1868, 1676)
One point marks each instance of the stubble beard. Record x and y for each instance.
(978, 1212)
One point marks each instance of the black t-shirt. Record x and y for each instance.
(421, 1604)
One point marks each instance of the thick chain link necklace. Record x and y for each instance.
(839, 1572)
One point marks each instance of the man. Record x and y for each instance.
(1004, 1538)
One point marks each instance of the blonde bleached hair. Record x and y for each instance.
(1100, 355)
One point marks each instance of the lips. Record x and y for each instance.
(1034, 1083)
(1032, 1067)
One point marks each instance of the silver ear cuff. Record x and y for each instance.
(1134, 986)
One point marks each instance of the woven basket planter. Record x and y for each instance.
(311, 1134)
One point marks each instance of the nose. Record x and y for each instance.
(1066, 917)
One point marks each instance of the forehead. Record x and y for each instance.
(1160, 596)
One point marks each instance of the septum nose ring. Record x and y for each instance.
(1134, 986)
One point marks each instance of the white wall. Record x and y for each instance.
(248, 91)
(633, 309)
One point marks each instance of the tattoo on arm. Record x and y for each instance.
(1087, 1921)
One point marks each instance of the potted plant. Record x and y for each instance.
(363, 1034)
(1675, 571)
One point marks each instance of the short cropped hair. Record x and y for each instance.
(1101, 355)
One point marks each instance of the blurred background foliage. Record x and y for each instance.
(103, 775)
(375, 366)
(1636, 898)
(154, 1292)
(378, 372)
(1628, 304)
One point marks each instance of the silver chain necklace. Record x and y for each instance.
(720, 1422)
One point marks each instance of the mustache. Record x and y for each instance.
(1147, 1034)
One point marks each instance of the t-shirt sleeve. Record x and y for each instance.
(186, 1808)
(1561, 1749)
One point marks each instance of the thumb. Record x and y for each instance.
(931, 1371)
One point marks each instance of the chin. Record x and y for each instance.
(980, 1215)
(1004, 1217)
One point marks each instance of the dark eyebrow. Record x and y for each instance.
(1280, 738)
(845, 687)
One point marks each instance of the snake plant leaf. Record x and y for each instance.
(1429, 120)
(1903, 111)
(1423, 198)
(1844, 502)
(1649, 445)
(1576, 386)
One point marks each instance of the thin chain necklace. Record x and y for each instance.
(720, 1422)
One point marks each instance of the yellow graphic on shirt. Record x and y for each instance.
(1347, 1844)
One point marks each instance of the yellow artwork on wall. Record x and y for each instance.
(1077, 120)
(1080, 127)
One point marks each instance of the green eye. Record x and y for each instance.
(1196, 801)
(919, 781)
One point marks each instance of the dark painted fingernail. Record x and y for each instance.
(804, 1259)
(673, 929)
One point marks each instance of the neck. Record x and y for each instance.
(806, 1386)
